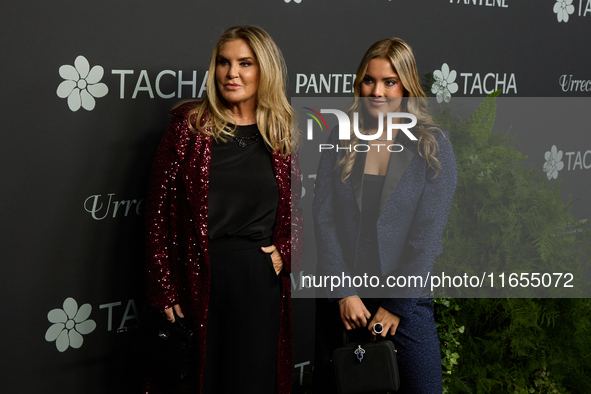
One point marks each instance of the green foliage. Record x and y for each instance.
(447, 310)
(508, 218)
(505, 217)
(524, 345)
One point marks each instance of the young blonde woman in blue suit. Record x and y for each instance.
(383, 212)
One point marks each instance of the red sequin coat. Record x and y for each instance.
(177, 225)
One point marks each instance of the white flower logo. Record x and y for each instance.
(553, 162)
(295, 1)
(69, 325)
(81, 84)
(562, 9)
(444, 85)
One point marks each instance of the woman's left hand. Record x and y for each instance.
(388, 320)
(275, 257)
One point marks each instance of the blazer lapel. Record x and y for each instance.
(396, 168)
(357, 177)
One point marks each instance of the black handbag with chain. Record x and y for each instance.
(364, 367)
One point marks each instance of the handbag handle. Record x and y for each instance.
(345, 336)
(376, 338)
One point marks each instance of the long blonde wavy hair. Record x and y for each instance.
(273, 113)
(402, 59)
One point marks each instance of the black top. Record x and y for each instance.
(369, 262)
(372, 191)
(243, 192)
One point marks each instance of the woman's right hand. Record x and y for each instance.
(354, 314)
(169, 313)
(275, 257)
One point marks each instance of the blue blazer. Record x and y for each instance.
(414, 207)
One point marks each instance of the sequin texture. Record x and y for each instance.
(177, 235)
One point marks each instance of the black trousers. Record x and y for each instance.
(243, 319)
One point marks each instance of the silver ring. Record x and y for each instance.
(378, 328)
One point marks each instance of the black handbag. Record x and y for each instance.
(366, 367)
(166, 348)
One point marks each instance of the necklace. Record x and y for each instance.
(245, 141)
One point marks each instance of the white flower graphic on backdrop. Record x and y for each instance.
(69, 324)
(82, 84)
(295, 1)
(562, 9)
(444, 85)
(553, 162)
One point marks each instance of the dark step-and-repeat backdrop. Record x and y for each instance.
(87, 87)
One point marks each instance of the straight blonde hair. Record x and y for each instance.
(402, 60)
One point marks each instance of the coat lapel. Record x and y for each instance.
(357, 177)
(396, 167)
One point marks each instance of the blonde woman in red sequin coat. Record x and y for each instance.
(221, 217)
